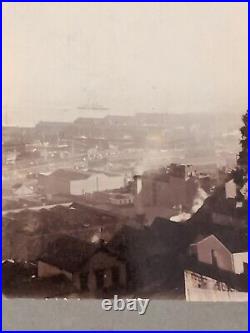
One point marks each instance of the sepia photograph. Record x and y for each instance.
(125, 152)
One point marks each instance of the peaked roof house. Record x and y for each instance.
(225, 254)
(90, 267)
(218, 271)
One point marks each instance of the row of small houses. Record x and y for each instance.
(137, 257)
(135, 262)
(149, 192)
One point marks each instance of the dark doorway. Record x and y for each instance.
(115, 276)
(84, 281)
(99, 278)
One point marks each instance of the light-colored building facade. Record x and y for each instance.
(201, 288)
(69, 182)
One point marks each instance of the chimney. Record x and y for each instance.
(138, 203)
(138, 184)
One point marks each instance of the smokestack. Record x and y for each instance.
(138, 203)
(138, 184)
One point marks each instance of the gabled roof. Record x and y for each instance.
(70, 254)
(233, 244)
(67, 253)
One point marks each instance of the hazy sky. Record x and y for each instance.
(129, 57)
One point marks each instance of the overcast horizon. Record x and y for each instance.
(124, 58)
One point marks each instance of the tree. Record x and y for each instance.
(243, 155)
(240, 173)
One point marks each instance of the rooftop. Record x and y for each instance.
(233, 244)
(67, 253)
(70, 174)
(70, 254)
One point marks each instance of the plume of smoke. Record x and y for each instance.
(182, 217)
(199, 200)
(152, 159)
(197, 203)
(95, 238)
